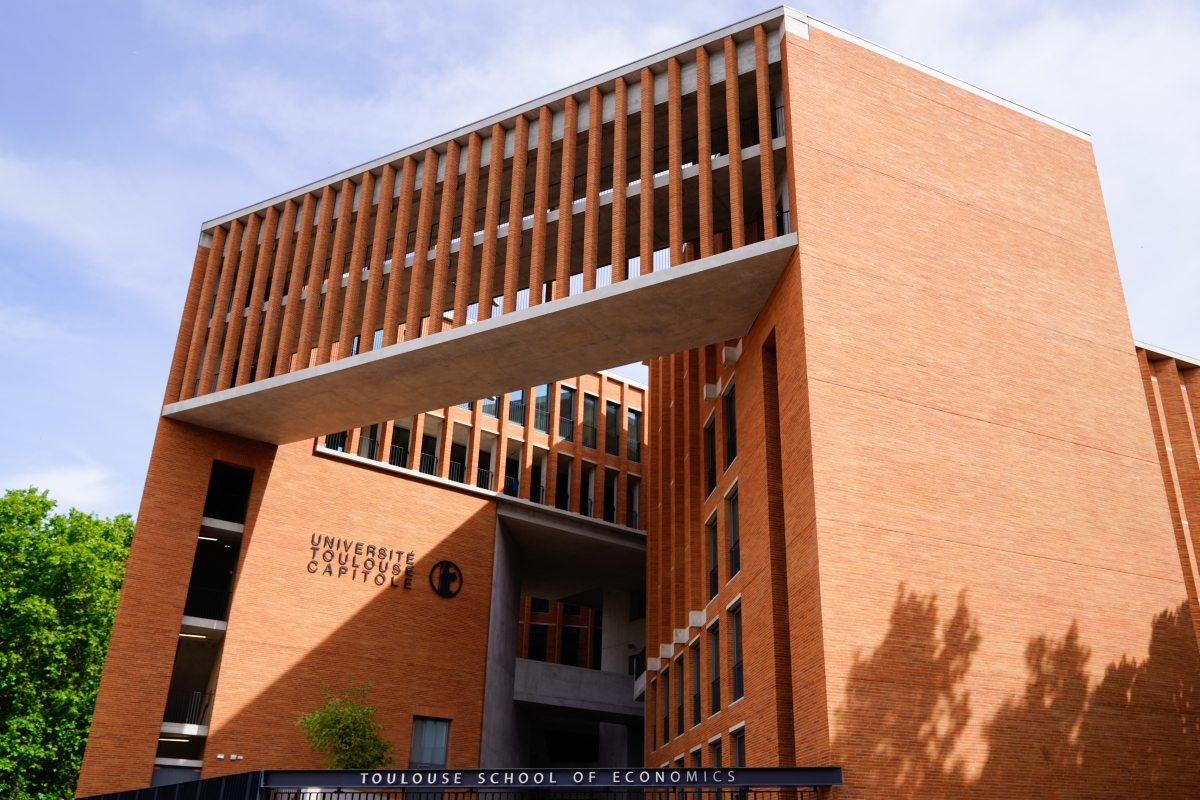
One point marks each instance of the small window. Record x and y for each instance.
(735, 647)
(538, 635)
(589, 421)
(491, 407)
(539, 606)
(730, 426)
(695, 651)
(571, 610)
(679, 696)
(710, 456)
(666, 706)
(735, 547)
(566, 413)
(569, 647)
(541, 408)
(612, 428)
(739, 748)
(634, 435)
(714, 558)
(714, 652)
(715, 751)
(430, 741)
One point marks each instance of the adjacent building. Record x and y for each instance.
(902, 494)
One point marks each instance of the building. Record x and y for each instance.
(905, 509)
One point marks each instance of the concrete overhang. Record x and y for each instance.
(563, 554)
(691, 305)
(564, 690)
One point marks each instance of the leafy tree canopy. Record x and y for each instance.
(345, 729)
(60, 579)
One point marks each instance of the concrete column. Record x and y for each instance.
(704, 150)
(309, 331)
(241, 288)
(441, 258)
(766, 156)
(615, 652)
(591, 210)
(541, 202)
(675, 165)
(383, 226)
(733, 124)
(216, 329)
(499, 742)
(491, 220)
(358, 256)
(187, 324)
(620, 182)
(258, 292)
(416, 281)
(614, 744)
(646, 189)
(466, 244)
(294, 286)
(395, 284)
(516, 204)
(333, 281)
(566, 198)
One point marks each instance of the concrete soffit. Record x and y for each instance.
(1158, 354)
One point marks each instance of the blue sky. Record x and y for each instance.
(126, 124)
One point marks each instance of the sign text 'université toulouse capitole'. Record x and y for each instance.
(510, 779)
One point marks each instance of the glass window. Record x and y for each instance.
(612, 428)
(539, 606)
(714, 653)
(541, 408)
(566, 413)
(634, 435)
(739, 748)
(491, 406)
(710, 456)
(714, 577)
(730, 426)
(735, 646)
(735, 547)
(679, 696)
(430, 740)
(695, 650)
(666, 707)
(715, 747)
(589, 421)
(538, 635)
(516, 407)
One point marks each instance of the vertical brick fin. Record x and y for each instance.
(254, 318)
(416, 281)
(733, 127)
(283, 262)
(466, 246)
(591, 211)
(646, 188)
(787, 44)
(441, 257)
(395, 284)
(766, 156)
(491, 220)
(216, 331)
(675, 167)
(693, 488)
(383, 226)
(212, 271)
(619, 180)
(186, 324)
(358, 258)
(679, 610)
(295, 286)
(566, 197)
(541, 202)
(704, 150)
(333, 281)
(516, 206)
(777, 557)
(237, 322)
(316, 276)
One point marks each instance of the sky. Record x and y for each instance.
(125, 125)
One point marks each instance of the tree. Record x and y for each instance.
(346, 729)
(60, 579)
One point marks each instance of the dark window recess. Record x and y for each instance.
(695, 650)
(612, 428)
(429, 457)
(541, 408)
(430, 741)
(398, 457)
(228, 493)
(536, 489)
(589, 421)
(666, 707)
(739, 748)
(566, 413)
(539, 606)
(610, 494)
(211, 579)
(512, 477)
(716, 753)
(562, 486)
(538, 635)
(710, 457)
(337, 441)
(714, 558)
(714, 654)
(735, 546)
(571, 610)
(573, 746)
(735, 647)
(730, 427)
(458, 462)
(679, 692)
(569, 648)
(637, 664)
(597, 645)
(633, 435)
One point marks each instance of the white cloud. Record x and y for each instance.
(87, 488)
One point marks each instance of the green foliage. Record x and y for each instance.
(60, 579)
(346, 729)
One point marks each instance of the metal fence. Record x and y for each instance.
(674, 793)
(242, 786)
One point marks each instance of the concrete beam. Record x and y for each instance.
(565, 689)
(692, 305)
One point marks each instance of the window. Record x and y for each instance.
(430, 740)
(735, 540)
(710, 456)
(337, 441)
(735, 647)
(739, 748)
(516, 407)
(537, 642)
(714, 651)
(541, 408)
(539, 606)
(632, 501)
(714, 577)
(398, 457)
(666, 707)
(679, 696)
(589, 421)
(634, 435)
(569, 647)
(491, 406)
(715, 749)
(730, 426)
(696, 760)
(612, 428)
(566, 413)
(696, 683)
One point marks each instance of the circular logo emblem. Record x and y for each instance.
(445, 578)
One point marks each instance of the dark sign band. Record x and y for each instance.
(553, 778)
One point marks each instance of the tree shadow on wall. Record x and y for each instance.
(1136, 733)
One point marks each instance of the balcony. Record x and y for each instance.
(398, 456)
(429, 463)
(541, 420)
(368, 448)
(207, 603)
(516, 413)
(483, 478)
(566, 429)
(188, 707)
(457, 472)
(512, 486)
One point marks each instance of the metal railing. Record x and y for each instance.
(458, 471)
(188, 708)
(337, 441)
(398, 456)
(783, 222)
(368, 447)
(241, 786)
(657, 793)
(633, 521)
(589, 435)
(612, 444)
(429, 463)
(610, 511)
(516, 413)
(512, 486)
(635, 450)
(541, 420)
(566, 428)
(483, 478)
(206, 603)
(491, 407)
